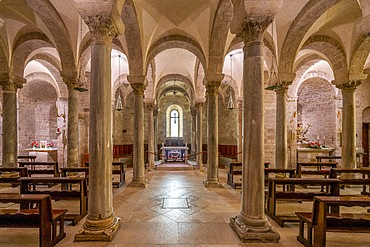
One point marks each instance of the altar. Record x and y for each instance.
(44, 154)
(174, 154)
(309, 154)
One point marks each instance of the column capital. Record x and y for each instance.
(282, 87)
(199, 104)
(350, 85)
(138, 88)
(102, 28)
(71, 82)
(254, 29)
(11, 82)
(150, 104)
(213, 83)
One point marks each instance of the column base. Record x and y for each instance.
(98, 230)
(253, 233)
(141, 183)
(212, 183)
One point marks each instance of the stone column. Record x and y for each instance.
(281, 157)
(137, 84)
(213, 83)
(72, 134)
(151, 151)
(155, 115)
(240, 130)
(101, 223)
(9, 85)
(199, 154)
(193, 111)
(348, 160)
(251, 224)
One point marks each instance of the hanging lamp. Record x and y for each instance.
(119, 100)
(230, 104)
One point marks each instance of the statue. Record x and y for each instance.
(301, 133)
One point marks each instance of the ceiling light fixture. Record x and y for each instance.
(230, 104)
(119, 100)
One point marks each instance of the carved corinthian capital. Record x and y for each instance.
(102, 28)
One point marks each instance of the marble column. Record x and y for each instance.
(138, 179)
(72, 134)
(251, 225)
(240, 130)
(9, 85)
(213, 83)
(199, 154)
(348, 160)
(101, 223)
(193, 112)
(281, 156)
(150, 108)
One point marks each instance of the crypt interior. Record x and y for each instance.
(177, 90)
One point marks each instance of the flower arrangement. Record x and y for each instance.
(316, 145)
(34, 144)
(50, 145)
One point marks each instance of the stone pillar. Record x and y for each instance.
(251, 224)
(155, 115)
(9, 85)
(281, 157)
(348, 160)
(193, 111)
(240, 130)
(137, 83)
(101, 223)
(151, 151)
(199, 154)
(72, 134)
(213, 83)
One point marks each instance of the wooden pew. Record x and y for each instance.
(275, 195)
(5, 171)
(65, 192)
(43, 216)
(364, 172)
(236, 169)
(34, 167)
(321, 220)
(31, 158)
(319, 158)
(317, 165)
(286, 172)
(119, 169)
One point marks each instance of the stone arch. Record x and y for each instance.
(177, 77)
(39, 76)
(297, 31)
(176, 41)
(219, 33)
(366, 115)
(133, 38)
(4, 61)
(334, 53)
(56, 26)
(360, 55)
(24, 46)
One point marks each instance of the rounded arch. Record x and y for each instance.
(177, 108)
(190, 92)
(37, 76)
(333, 51)
(358, 61)
(366, 115)
(4, 61)
(219, 33)
(176, 41)
(56, 26)
(297, 31)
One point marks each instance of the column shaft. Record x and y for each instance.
(281, 128)
(151, 150)
(10, 125)
(72, 136)
(240, 131)
(212, 134)
(193, 132)
(138, 179)
(199, 157)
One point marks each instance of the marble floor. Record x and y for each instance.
(175, 209)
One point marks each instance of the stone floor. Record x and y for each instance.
(176, 210)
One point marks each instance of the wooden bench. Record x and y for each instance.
(236, 169)
(286, 172)
(119, 169)
(43, 216)
(364, 172)
(34, 167)
(275, 195)
(31, 158)
(319, 158)
(318, 166)
(9, 174)
(65, 192)
(321, 220)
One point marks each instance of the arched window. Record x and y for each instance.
(174, 122)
